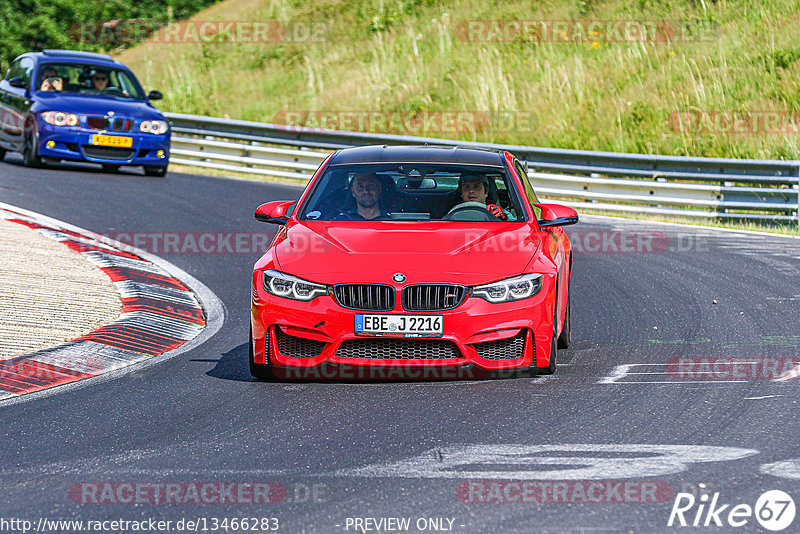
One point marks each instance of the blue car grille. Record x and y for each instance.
(112, 125)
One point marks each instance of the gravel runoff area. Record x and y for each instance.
(48, 293)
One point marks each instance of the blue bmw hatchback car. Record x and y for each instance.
(80, 106)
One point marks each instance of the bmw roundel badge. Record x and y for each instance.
(399, 277)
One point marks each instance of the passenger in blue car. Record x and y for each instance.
(366, 190)
(51, 81)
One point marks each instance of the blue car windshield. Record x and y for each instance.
(414, 192)
(96, 80)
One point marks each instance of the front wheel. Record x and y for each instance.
(566, 333)
(550, 368)
(160, 172)
(30, 154)
(258, 370)
(2, 153)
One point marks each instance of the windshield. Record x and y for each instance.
(88, 79)
(414, 192)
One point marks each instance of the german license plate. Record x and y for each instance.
(112, 140)
(399, 325)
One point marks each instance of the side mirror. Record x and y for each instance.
(154, 95)
(19, 83)
(556, 215)
(274, 212)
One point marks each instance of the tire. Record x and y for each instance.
(258, 370)
(551, 367)
(566, 333)
(2, 153)
(159, 172)
(30, 154)
(111, 167)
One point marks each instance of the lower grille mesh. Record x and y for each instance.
(502, 349)
(298, 347)
(399, 349)
(106, 152)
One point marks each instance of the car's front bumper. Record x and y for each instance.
(476, 333)
(75, 144)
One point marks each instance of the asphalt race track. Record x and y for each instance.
(618, 431)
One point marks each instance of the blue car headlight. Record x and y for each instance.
(60, 118)
(154, 127)
(290, 287)
(516, 288)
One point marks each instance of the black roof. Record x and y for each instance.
(418, 154)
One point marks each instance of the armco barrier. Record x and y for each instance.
(758, 190)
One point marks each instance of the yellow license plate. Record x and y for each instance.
(112, 140)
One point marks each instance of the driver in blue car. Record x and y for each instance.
(366, 190)
(475, 188)
(100, 80)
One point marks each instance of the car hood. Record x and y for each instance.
(95, 105)
(424, 252)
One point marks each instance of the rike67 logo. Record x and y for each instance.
(774, 510)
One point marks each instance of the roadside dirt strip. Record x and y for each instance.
(159, 313)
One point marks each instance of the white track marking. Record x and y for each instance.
(789, 375)
(542, 462)
(621, 371)
(784, 469)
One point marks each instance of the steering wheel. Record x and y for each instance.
(113, 91)
(470, 211)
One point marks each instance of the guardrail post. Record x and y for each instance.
(797, 213)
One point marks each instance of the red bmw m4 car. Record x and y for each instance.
(413, 257)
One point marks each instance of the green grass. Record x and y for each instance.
(407, 56)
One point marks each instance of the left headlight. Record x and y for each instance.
(154, 127)
(60, 118)
(290, 287)
(516, 288)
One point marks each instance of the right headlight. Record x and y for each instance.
(290, 287)
(154, 127)
(516, 288)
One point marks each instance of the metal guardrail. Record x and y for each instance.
(759, 190)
